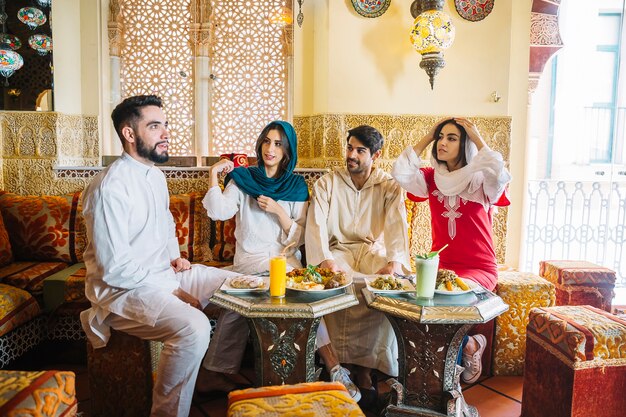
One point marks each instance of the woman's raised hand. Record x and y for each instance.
(472, 131)
(268, 204)
(223, 165)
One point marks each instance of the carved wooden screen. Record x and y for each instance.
(249, 72)
(156, 58)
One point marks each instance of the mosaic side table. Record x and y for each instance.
(284, 329)
(429, 335)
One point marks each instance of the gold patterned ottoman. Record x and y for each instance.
(580, 283)
(575, 363)
(522, 291)
(41, 393)
(121, 375)
(319, 399)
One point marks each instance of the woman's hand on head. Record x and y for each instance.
(472, 131)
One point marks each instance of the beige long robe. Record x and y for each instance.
(361, 230)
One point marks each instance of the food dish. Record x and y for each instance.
(319, 291)
(470, 284)
(314, 278)
(226, 287)
(407, 286)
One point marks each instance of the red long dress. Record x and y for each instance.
(467, 229)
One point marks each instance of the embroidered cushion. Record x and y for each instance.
(193, 226)
(41, 393)
(29, 276)
(305, 399)
(223, 240)
(16, 308)
(6, 256)
(44, 228)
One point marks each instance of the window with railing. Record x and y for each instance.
(576, 201)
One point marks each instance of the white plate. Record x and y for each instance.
(408, 286)
(227, 288)
(348, 282)
(471, 284)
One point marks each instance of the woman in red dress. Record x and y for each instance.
(464, 183)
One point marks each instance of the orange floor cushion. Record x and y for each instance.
(305, 399)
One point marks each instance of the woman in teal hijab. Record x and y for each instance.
(269, 203)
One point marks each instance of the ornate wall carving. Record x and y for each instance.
(34, 142)
(545, 39)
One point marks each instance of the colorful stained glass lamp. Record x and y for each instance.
(10, 61)
(40, 43)
(432, 32)
(31, 17)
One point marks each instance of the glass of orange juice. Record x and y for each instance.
(278, 275)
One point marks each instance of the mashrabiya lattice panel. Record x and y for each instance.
(250, 84)
(156, 58)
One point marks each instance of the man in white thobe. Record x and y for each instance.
(357, 223)
(136, 280)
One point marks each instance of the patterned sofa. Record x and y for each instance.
(42, 276)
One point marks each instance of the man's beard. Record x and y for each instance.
(356, 169)
(151, 154)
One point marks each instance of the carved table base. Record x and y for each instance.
(428, 384)
(284, 350)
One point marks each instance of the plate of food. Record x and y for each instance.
(449, 283)
(246, 283)
(389, 284)
(316, 279)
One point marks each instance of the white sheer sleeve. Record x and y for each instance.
(222, 205)
(406, 171)
(496, 176)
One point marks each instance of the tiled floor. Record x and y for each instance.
(493, 396)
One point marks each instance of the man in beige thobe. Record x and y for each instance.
(357, 223)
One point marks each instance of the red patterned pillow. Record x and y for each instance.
(223, 240)
(193, 226)
(6, 256)
(44, 228)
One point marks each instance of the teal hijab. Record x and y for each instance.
(255, 182)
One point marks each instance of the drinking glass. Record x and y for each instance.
(426, 276)
(278, 275)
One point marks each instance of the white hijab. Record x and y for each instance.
(465, 182)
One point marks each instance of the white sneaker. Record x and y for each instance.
(341, 374)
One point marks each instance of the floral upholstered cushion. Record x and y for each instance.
(41, 393)
(223, 240)
(29, 276)
(44, 228)
(193, 226)
(576, 273)
(16, 308)
(305, 399)
(6, 256)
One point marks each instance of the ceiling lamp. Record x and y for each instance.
(432, 32)
(31, 17)
(10, 61)
(8, 41)
(40, 43)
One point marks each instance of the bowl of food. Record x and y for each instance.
(449, 283)
(313, 278)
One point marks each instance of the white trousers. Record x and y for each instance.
(185, 332)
